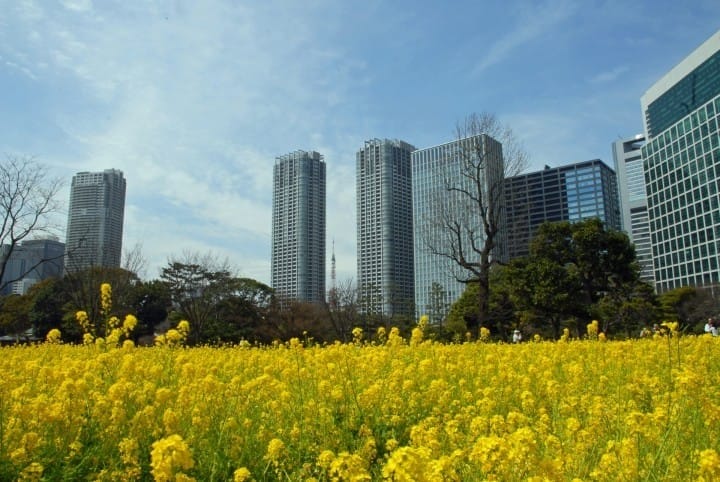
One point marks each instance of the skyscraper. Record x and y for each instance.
(681, 160)
(298, 227)
(31, 261)
(95, 220)
(384, 227)
(572, 192)
(633, 200)
(434, 169)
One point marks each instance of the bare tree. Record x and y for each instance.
(468, 218)
(134, 261)
(28, 203)
(343, 309)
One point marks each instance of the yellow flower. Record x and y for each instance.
(593, 329)
(276, 451)
(168, 457)
(709, 465)
(34, 471)
(129, 324)
(106, 298)
(357, 334)
(184, 327)
(54, 336)
(241, 475)
(83, 321)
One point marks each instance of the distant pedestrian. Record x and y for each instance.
(711, 327)
(517, 336)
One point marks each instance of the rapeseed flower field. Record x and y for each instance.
(382, 407)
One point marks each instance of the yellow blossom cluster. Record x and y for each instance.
(174, 336)
(382, 409)
(110, 331)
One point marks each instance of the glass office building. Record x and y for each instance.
(433, 170)
(384, 227)
(633, 200)
(569, 193)
(298, 227)
(682, 170)
(31, 261)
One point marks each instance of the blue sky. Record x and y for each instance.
(193, 100)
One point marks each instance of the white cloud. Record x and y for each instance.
(194, 104)
(77, 5)
(609, 75)
(531, 21)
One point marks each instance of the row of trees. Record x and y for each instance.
(575, 273)
(220, 306)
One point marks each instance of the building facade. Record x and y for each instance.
(298, 227)
(568, 193)
(95, 220)
(681, 161)
(434, 170)
(32, 261)
(628, 160)
(385, 247)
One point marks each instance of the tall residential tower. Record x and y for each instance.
(298, 227)
(385, 227)
(95, 220)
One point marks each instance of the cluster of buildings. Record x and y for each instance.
(93, 236)
(664, 192)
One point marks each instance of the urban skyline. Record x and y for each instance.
(194, 101)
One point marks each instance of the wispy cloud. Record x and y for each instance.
(609, 75)
(531, 21)
(193, 104)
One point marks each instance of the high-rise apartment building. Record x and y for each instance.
(31, 261)
(384, 227)
(568, 193)
(434, 169)
(633, 200)
(298, 227)
(95, 220)
(682, 170)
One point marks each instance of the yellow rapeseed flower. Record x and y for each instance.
(169, 456)
(54, 336)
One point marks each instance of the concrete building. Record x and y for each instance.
(298, 227)
(572, 192)
(384, 227)
(32, 261)
(434, 169)
(627, 156)
(682, 170)
(95, 220)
